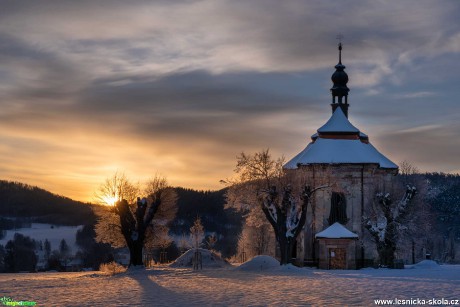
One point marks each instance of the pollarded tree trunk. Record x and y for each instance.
(386, 251)
(135, 253)
(286, 248)
(384, 229)
(286, 217)
(284, 242)
(133, 227)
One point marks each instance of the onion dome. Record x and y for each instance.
(339, 89)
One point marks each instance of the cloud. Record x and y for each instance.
(432, 147)
(419, 129)
(419, 94)
(222, 35)
(89, 87)
(182, 125)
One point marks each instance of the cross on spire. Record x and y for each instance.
(340, 37)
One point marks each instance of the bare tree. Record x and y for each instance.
(408, 168)
(408, 171)
(197, 233)
(385, 222)
(126, 224)
(116, 188)
(283, 197)
(211, 241)
(254, 241)
(157, 187)
(157, 238)
(184, 243)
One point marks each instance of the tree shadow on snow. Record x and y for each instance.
(154, 294)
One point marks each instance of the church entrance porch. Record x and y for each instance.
(337, 248)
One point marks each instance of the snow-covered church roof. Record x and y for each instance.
(338, 123)
(338, 141)
(339, 151)
(336, 231)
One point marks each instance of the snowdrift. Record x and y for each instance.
(259, 263)
(209, 259)
(425, 264)
(270, 264)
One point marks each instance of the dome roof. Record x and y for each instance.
(338, 123)
(339, 142)
(332, 151)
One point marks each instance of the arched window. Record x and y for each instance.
(338, 211)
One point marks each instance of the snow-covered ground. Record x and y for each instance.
(41, 232)
(166, 286)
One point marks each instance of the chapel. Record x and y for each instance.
(341, 157)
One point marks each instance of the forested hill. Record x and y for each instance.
(208, 206)
(22, 200)
(33, 204)
(444, 197)
(26, 201)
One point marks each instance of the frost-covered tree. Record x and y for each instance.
(116, 188)
(184, 244)
(126, 223)
(158, 237)
(197, 233)
(254, 241)
(282, 197)
(386, 220)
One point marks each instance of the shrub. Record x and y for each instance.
(112, 268)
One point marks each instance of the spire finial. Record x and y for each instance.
(340, 79)
(339, 37)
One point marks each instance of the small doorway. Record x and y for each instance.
(337, 258)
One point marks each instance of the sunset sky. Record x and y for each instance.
(182, 87)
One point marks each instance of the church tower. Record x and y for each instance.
(341, 157)
(340, 90)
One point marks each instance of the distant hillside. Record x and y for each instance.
(209, 206)
(33, 204)
(25, 201)
(444, 197)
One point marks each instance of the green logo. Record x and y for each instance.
(8, 301)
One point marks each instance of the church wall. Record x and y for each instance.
(359, 184)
